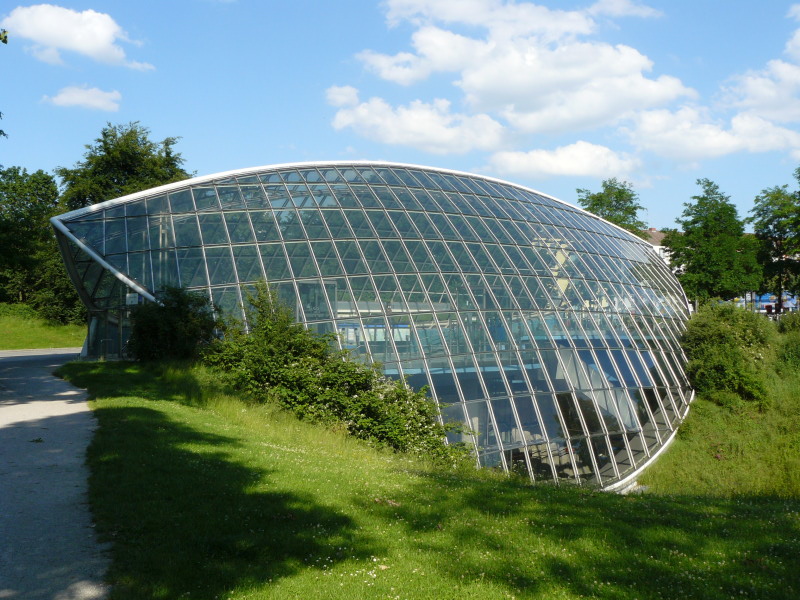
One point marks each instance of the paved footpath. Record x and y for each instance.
(48, 548)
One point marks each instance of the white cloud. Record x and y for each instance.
(54, 29)
(578, 159)
(345, 95)
(521, 74)
(436, 50)
(501, 17)
(689, 134)
(426, 126)
(622, 8)
(86, 97)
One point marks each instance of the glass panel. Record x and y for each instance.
(254, 196)
(266, 229)
(351, 257)
(379, 339)
(301, 196)
(137, 233)
(383, 226)
(433, 284)
(405, 341)
(139, 268)
(157, 206)
(289, 224)
(192, 267)
(181, 201)
(161, 235)
(92, 233)
(421, 257)
(425, 226)
(212, 229)
(398, 258)
(301, 260)
(336, 224)
(430, 337)
(115, 236)
(375, 257)
(327, 259)
(165, 269)
(453, 333)
(359, 223)
(205, 198)
(187, 232)
(227, 298)
(406, 199)
(278, 196)
(413, 292)
(248, 264)
(312, 299)
(220, 265)
(365, 196)
(239, 227)
(481, 425)
(275, 265)
(441, 256)
(443, 225)
(313, 223)
(344, 196)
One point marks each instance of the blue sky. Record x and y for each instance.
(554, 95)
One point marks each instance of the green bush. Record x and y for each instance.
(279, 360)
(19, 311)
(789, 352)
(789, 322)
(730, 350)
(176, 328)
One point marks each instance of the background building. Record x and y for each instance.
(551, 334)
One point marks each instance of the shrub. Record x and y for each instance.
(176, 328)
(789, 322)
(789, 352)
(19, 311)
(730, 350)
(280, 360)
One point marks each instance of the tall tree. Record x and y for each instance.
(3, 39)
(26, 202)
(618, 203)
(776, 222)
(123, 160)
(31, 269)
(712, 255)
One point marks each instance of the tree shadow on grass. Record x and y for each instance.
(531, 540)
(186, 519)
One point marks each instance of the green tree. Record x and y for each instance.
(123, 160)
(26, 202)
(4, 39)
(730, 351)
(776, 222)
(617, 203)
(31, 269)
(712, 255)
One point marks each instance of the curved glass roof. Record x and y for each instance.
(550, 333)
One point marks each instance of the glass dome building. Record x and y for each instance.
(552, 335)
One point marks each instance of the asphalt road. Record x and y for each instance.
(48, 547)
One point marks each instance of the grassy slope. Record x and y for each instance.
(17, 333)
(205, 497)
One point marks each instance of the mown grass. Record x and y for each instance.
(204, 496)
(17, 333)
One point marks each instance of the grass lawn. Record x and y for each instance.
(203, 496)
(22, 333)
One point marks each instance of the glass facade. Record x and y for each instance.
(549, 333)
